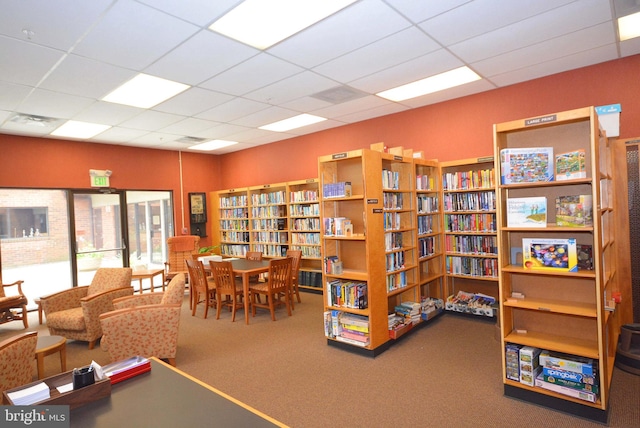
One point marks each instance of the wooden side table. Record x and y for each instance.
(147, 273)
(37, 302)
(48, 345)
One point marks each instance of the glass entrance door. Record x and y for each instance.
(99, 235)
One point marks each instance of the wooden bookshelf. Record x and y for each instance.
(231, 230)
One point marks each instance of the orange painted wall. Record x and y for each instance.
(51, 163)
(455, 129)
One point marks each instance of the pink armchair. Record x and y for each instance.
(74, 313)
(17, 354)
(145, 325)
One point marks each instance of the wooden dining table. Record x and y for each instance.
(247, 268)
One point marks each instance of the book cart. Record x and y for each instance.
(562, 308)
(470, 236)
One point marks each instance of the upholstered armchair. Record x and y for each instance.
(12, 303)
(17, 354)
(145, 325)
(74, 313)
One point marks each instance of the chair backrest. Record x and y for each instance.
(253, 255)
(108, 279)
(223, 276)
(175, 290)
(296, 256)
(197, 275)
(16, 360)
(280, 274)
(181, 248)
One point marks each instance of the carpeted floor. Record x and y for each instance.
(445, 374)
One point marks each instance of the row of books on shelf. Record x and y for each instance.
(270, 237)
(231, 236)
(472, 266)
(270, 198)
(303, 196)
(337, 190)
(346, 327)
(565, 374)
(269, 224)
(347, 294)
(308, 251)
(392, 201)
(304, 210)
(425, 224)
(234, 224)
(234, 213)
(471, 303)
(392, 221)
(309, 238)
(570, 211)
(471, 244)
(332, 265)
(392, 241)
(337, 226)
(396, 281)
(470, 201)
(538, 164)
(394, 261)
(305, 224)
(390, 179)
(468, 180)
(427, 204)
(470, 222)
(233, 201)
(425, 182)
(310, 278)
(269, 211)
(426, 246)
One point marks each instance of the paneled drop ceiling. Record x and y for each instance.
(58, 59)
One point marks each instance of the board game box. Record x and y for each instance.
(574, 211)
(550, 254)
(571, 165)
(526, 165)
(527, 212)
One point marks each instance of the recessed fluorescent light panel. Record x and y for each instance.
(145, 91)
(213, 145)
(76, 129)
(262, 24)
(439, 82)
(629, 26)
(293, 123)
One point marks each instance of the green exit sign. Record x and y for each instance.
(99, 181)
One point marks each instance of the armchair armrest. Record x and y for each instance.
(63, 300)
(137, 300)
(99, 303)
(13, 284)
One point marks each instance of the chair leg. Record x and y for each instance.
(92, 343)
(25, 321)
(172, 361)
(297, 290)
(272, 307)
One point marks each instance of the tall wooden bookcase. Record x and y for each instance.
(552, 309)
(231, 221)
(429, 215)
(470, 226)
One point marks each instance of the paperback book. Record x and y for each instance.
(527, 212)
(526, 165)
(571, 165)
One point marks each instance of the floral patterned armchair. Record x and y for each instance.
(74, 313)
(11, 303)
(17, 355)
(145, 325)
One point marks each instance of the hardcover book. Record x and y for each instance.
(571, 165)
(527, 212)
(526, 165)
(574, 211)
(550, 254)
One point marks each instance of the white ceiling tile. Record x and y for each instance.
(233, 109)
(116, 134)
(410, 71)
(481, 16)
(383, 110)
(580, 59)
(350, 107)
(305, 104)
(351, 28)
(572, 17)
(199, 12)
(107, 113)
(29, 63)
(254, 73)
(188, 126)
(316, 127)
(265, 117)
(57, 24)
(153, 139)
(221, 131)
(12, 95)
(133, 35)
(83, 76)
(547, 50)
(299, 85)
(418, 11)
(630, 47)
(193, 101)
(200, 57)
(54, 104)
(151, 120)
(449, 94)
(388, 52)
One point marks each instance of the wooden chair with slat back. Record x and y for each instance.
(229, 289)
(180, 248)
(253, 255)
(203, 288)
(278, 284)
(296, 256)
